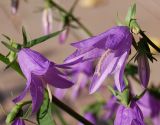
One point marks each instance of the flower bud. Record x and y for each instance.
(143, 69)
(14, 6)
(47, 21)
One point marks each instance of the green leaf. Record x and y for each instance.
(24, 37)
(41, 39)
(44, 116)
(131, 14)
(14, 65)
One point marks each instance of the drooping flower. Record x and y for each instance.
(129, 115)
(18, 121)
(90, 117)
(47, 20)
(113, 48)
(39, 71)
(143, 69)
(80, 74)
(149, 107)
(14, 6)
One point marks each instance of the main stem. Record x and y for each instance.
(70, 111)
(73, 17)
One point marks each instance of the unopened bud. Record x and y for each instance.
(143, 69)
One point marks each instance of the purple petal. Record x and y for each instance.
(60, 93)
(87, 53)
(36, 89)
(18, 121)
(101, 73)
(21, 96)
(53, 77)
(31, 61)
(119, 72)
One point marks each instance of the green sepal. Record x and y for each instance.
(14, 65)
(131, 14)
(14, 112)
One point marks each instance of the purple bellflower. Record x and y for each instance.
(39, 71)
(150, 107)
(143, 69)
(80, 74)
(47, 20)
(112, 48)
(18, 121)
(129, 115)
(90, 117)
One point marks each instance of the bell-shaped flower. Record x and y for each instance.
(80, 74)
(47, 20)
(149, 107)
(129, 115)
(39, 71)
(18, 121)
(143, 69)
(112, 48)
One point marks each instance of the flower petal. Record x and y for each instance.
(31, 61)
(99, 77)
(36, 89)
(55, 78)
(119, 72)
(21, 96)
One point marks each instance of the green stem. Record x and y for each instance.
(72, 16)
(70, 111)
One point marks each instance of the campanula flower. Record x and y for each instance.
(89, 116)
(143, 69)
(14, 6)
(149, 106)
(80, 74)
(112, 48)
(39, 71)
(47, 20)
(129, 115)
(18, 121)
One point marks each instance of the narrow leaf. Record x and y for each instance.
(42, 39)
(131, 14)
(7, 37)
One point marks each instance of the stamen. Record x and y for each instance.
(99, 65)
